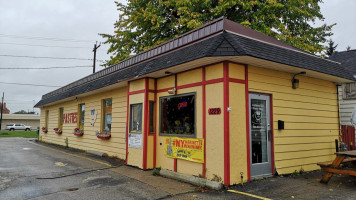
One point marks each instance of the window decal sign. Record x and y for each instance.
(93, 114)
(182, 105)
(70, 118)
(191, 149)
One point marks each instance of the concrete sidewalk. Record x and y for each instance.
(170, 186)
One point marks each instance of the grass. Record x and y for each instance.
(25, 134)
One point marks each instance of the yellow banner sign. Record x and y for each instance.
(191, 149)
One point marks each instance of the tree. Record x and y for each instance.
(331, 48)
(143, 24)
(20, 112)
(348, 48)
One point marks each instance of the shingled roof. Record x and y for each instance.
(220, 38)
(347, 60)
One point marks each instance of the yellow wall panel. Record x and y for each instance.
(137, 85)
(192, 76)
(237, 71)
(214, 71)
(214, 132)
(238, 140)
(165, 82)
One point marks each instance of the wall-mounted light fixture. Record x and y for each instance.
(76, 99)
(168, 72)
(172, 91)
(295, 82)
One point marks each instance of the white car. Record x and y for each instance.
(17, 127)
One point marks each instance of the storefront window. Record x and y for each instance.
(136, 118)
(107, 110)
(152, 117)
(177, 115)
(60, 119)
(81, 116)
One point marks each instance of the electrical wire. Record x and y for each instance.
(69, 67)
(38, 45)
(49, 57)
(27, 84)
(44, 38)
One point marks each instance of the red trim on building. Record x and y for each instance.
(145, 123)
(204, 121)
(164, 89)
(212, 81)
(137, 92)
(175, 93)
(226, 126)
(190, 85)
(127, 121)
(235, 80)
(272, 132)
(155, 135)
(247, 101)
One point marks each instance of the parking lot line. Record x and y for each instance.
(247, 194)
(63, 152)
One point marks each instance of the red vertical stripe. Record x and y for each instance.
(127, 121)
(155, 135)
(204, 122)
(272, 132)
(145, 123)
(175, 93)
(247, 125)
(226, 126)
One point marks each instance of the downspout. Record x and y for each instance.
(337, 143)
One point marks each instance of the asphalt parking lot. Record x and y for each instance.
(31, 170)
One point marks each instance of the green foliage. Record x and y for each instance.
(331, 48)
(143, 24)
(155, 171)
(25, 134)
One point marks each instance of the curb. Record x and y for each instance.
(101, 154)
(191, 179)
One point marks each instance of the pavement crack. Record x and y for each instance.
(73, 174)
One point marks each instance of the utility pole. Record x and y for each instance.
(2, 108)
(94, 50)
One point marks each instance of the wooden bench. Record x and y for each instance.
(328, 164)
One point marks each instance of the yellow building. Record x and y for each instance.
(222, 101)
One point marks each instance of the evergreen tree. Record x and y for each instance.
(331, 48)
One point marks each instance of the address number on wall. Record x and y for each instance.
(214, 111)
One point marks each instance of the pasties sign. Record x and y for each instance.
(191, 149)
(70, 118)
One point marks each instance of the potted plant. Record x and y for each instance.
(57, 131)
(78, 132)
(44, 129)
(103, 136)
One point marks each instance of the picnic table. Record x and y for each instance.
(335, 167)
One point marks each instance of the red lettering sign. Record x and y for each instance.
(182, 105)
(70, 118)
(214, 111)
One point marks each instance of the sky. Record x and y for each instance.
(65, 32)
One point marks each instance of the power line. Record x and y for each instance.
(69, 67)
(38, 45)
(49, 57)
(44, 38)
(28, 84)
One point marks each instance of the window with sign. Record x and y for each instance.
(177, 115)
(136, 118)
(349, 91)
(81, 109)
(107, 111)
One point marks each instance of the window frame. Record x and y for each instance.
(130, 120)
(152, 117)
(80, 116)
(46, 118)
(60, 118)
(103, 117)
(195, 115)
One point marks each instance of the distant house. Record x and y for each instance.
(347, 96)
(5, 109)
(27, 119)
(222, 101)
